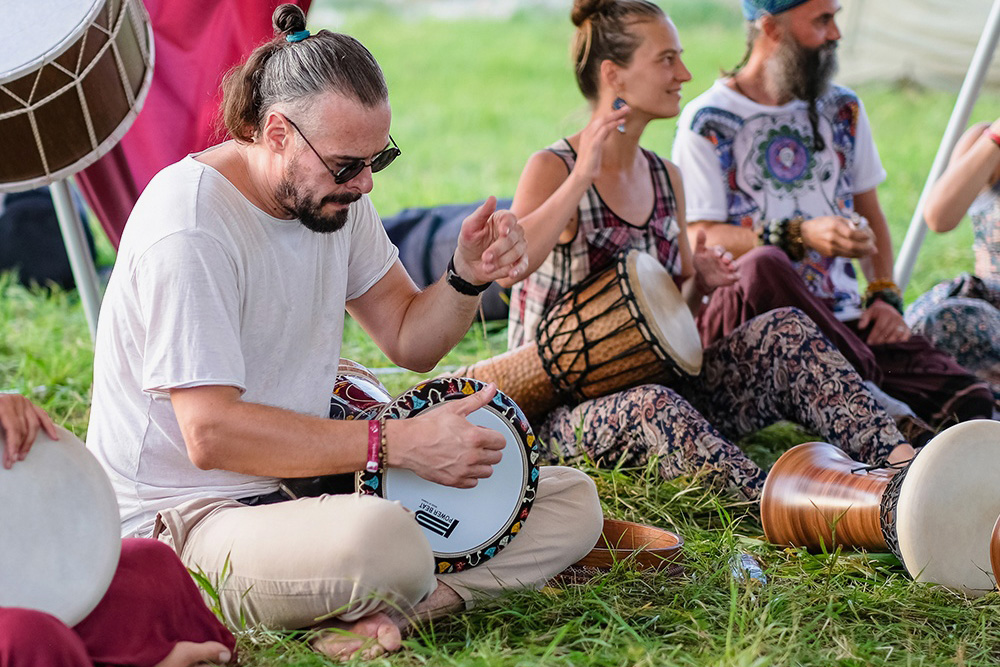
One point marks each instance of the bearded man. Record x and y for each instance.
(780, 169)
(219, 342)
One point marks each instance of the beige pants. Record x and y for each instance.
(285, 565)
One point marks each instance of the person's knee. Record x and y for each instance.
(380, 542)
(579, 506)
(30, 637)
(647, 399)
(764, 263)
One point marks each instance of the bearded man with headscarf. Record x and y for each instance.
(780, 169)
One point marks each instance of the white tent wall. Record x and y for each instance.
(929, 42)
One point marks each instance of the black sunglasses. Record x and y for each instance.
(379, 161)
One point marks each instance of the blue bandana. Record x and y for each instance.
(754, 9)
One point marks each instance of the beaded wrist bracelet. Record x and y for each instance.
(884, 290)
(783, 233)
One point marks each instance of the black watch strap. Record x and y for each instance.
(461, 285)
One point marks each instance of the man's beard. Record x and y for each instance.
(308, 211)
(798, 72)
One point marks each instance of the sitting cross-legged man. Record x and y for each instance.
(218, 346)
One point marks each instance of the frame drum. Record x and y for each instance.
(465, 527)
(59, 530)
(73, 76)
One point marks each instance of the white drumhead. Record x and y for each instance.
(460, 521)
(35, 33)
(666, 312)
(948, 504)
(59, 530)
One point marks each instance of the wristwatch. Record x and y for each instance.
(461, 285)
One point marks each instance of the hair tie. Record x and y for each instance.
(297, 36)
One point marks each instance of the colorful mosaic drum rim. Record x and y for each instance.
(432, 393)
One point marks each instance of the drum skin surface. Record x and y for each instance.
(59, 530)
(948, 507)
(666, 312)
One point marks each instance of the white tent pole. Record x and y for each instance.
(956, 126)
(80, 260)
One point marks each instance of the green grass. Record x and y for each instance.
(472, 99)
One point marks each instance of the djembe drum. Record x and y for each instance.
(618, 328)
(59, 529)
(936, 514)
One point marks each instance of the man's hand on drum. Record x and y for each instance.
(836, 236)
(887, 325)
(20, 421)
(713, 267)
(442, 446)
(491, 246)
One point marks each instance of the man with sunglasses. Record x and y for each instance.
(219, 341)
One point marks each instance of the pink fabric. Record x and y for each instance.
(151, 605)
(196, 42)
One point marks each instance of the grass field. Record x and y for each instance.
(472, 99)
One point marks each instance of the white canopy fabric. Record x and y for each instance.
(929, 42)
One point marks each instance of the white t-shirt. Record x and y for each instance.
(743, 162)
(210, 290)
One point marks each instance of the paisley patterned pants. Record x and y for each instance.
(962, 317)
(774, 367)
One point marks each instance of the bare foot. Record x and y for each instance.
(188, 654)
(372, 636)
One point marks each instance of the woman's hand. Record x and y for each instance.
(20, 420)
(588, 161)
(713, 267)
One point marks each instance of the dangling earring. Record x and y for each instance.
(616, 105)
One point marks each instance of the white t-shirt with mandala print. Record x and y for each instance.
(743, 162)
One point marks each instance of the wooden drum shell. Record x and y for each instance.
(817, 497)
(61, 115)
(519, 374)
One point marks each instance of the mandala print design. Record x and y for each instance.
(785, 159)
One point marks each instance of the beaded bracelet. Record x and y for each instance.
(884, 290)
(783, 233)
(383, 452)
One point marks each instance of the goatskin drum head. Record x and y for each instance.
(665, 310)
(35, 33)
(458, 521)
(948, 505)
(59, 530)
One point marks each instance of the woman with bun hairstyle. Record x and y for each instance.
(962, 316)
(589, 195)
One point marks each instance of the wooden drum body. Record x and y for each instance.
(618, 328)
(938, 514)
(73, 77)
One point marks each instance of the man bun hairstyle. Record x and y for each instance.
(292, 73)
(602, 33)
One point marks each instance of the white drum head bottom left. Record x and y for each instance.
(59, 530)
